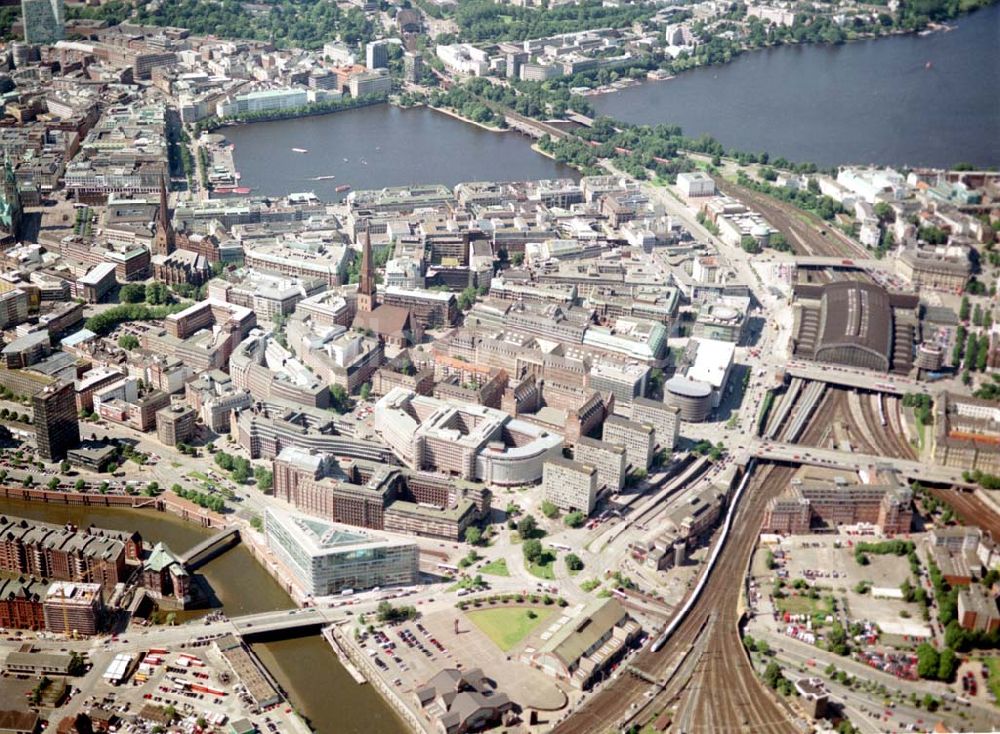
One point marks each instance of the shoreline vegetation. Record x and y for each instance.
(210, 124)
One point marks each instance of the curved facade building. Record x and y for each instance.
(472, 442)
(691, 397)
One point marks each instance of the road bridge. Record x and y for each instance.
(210, 547)
(797, 454)
(843, 263)
(857, 379)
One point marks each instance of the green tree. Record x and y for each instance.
(532, 550)
(264, 477)
(573, 562)
(527, 527)
(575, 519)
(928, 661)
(947, 664)
(128, 342)
(53, 484)
(365, 392)
(473, 535)
(340, 401)
(836, 639)
(132, 293)
(549, 509)
(772, 675)
(80, 485)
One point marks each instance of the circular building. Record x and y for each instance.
(855, 326)
(692, 397)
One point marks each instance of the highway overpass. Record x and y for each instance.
(798, 454)
(856, 379)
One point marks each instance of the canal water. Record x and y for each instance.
(907, 100)
(306, 667)
(379, 146)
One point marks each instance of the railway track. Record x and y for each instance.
(703, 668)
(889, 440)
(806, 233)
(970, 509)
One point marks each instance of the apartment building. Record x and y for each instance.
(638, 440)
(608, 459)
(570, 485)
(665, 420)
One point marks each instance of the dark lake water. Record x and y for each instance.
(379, 146)
(866, 102)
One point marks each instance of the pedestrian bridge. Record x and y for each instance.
(210, 547)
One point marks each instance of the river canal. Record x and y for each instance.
(378, 146)
(907, 100)
(305, 667)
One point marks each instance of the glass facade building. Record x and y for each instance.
(326, 558)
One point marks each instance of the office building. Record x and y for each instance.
(609, 459)
(49, 551)
(325, 559)
(471, 442)
(73, 608)
(376, 54)
(175, 424)
(638, 440)
(665, 420)
(967, 433)
(21, 603)
(570, 485)
(977, 609)
(369, 83)
(413, 67)
(57, 428)
(43, 20)
(826, 498)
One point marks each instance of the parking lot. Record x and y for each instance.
(409, 654)
(827, 563)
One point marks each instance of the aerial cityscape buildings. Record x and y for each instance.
(419, 346)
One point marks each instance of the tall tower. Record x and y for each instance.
(366, 282)
(166, 241)
(44, 20)
(56, 426)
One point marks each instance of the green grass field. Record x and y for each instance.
(994, 682)
(507, 626)
(803, 605)
(545, 568)
(496, 568)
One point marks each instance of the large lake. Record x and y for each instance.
(867, 102)
(380, 146)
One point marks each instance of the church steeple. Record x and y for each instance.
(10, 203)
(366, 280)
(166, 241)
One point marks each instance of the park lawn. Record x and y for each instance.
(507, 626)
(545, 567)
(496, 568)
(994, 682)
